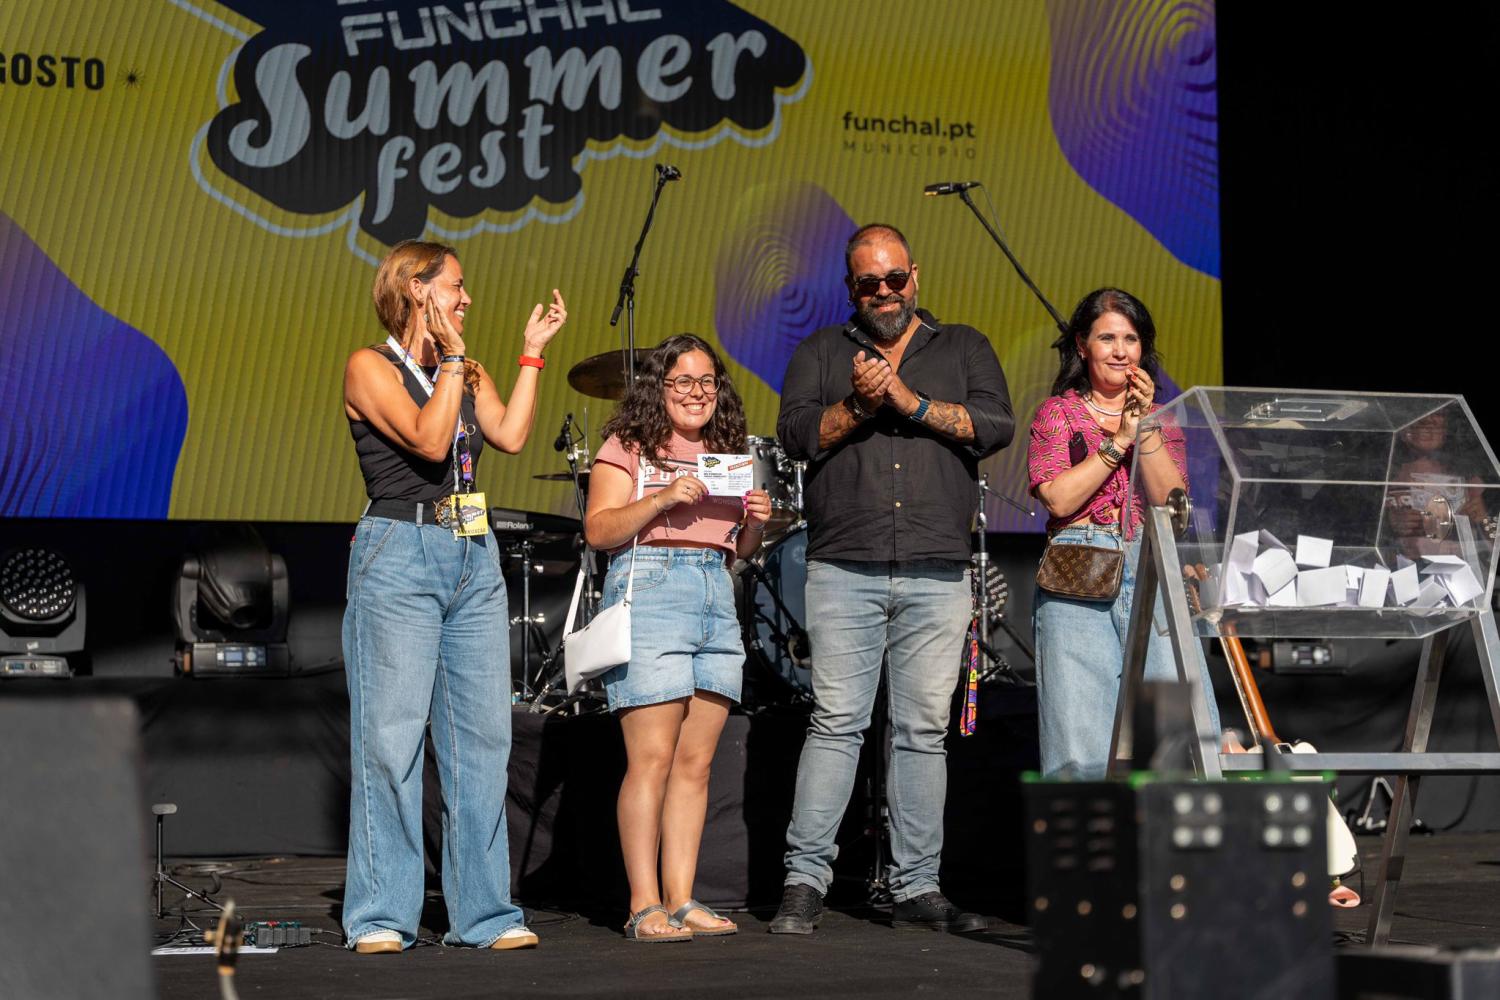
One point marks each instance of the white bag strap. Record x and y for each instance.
(640, 491)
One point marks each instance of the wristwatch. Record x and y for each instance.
(1110, 452)
(860, 413)
(923, 402)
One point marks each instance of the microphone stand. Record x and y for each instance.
(569, 446)
(981, 576)
(575, 450)
(1062, 324)
(627, 284)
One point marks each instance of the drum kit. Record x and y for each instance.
(769, 586)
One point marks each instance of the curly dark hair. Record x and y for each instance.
(641, 421)
(1072, 373)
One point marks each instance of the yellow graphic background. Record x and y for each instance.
(259, 324)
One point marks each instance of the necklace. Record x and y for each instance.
(1089, 399)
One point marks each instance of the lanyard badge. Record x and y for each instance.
(466, 508)
(464, 511)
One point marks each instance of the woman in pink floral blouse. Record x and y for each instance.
(1084, 439)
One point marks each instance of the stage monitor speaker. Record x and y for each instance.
(74, 875)
(1167, 889)
(1419, 973)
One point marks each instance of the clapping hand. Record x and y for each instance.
(871, 380)
(543, 326)
(1140, 392)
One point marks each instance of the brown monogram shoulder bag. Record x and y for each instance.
(1082, 572)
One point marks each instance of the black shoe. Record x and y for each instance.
(933, 911)
(801, 906)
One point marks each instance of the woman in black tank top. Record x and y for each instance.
(426, 635)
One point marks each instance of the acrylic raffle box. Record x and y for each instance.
(1315, 514)
(1287, 487)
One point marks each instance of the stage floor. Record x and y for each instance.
(1450, 897)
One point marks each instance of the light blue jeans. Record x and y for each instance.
(919, 613)
(1080, 654)
(426, 638)
(684, 632)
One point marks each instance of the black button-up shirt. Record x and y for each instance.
(894, 489)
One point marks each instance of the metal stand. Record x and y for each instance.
(1158, 554)
(982, 558)
(1159, 562)
(161, 811)
(552, 672)
(878, 811)
(523, 546)
(626, 300)
(988, 617)
(1062, 324)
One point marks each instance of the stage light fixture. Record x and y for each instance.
(230, 607)
(41, 614)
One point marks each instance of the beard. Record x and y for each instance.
(885, 327)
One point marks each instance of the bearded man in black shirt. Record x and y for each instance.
(893, 412)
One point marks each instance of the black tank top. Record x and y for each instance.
(393, 473)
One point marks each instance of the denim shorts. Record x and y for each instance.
(684, 632)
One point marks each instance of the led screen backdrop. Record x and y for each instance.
(193, 196)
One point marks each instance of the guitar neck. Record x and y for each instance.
(1256, 716)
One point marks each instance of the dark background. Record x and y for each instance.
(1358, 204)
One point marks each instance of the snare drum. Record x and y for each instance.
(773, 613)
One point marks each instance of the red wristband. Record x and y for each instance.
(527, 361)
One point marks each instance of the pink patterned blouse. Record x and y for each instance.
(1056, 420)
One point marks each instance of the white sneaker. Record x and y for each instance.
(378, 943)
(516, 937)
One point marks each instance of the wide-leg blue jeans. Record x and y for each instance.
(1080, 655)
(427, 640)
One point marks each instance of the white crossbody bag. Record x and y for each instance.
(603, 643)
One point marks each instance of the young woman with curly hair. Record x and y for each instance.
(686, 656)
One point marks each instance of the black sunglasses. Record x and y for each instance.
(869, 284)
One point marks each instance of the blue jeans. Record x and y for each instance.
(426, 638)
(684, 631)
(857, 612)
(1080, 654)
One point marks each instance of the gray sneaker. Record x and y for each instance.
(801, 906)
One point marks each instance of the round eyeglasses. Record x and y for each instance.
(683, 384)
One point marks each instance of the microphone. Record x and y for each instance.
(949, 187)
(564, 439)
(668, 172)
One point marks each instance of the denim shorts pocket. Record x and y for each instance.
(648, 573)
(370, 537)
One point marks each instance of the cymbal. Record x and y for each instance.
(564, 477)
(602, 376)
